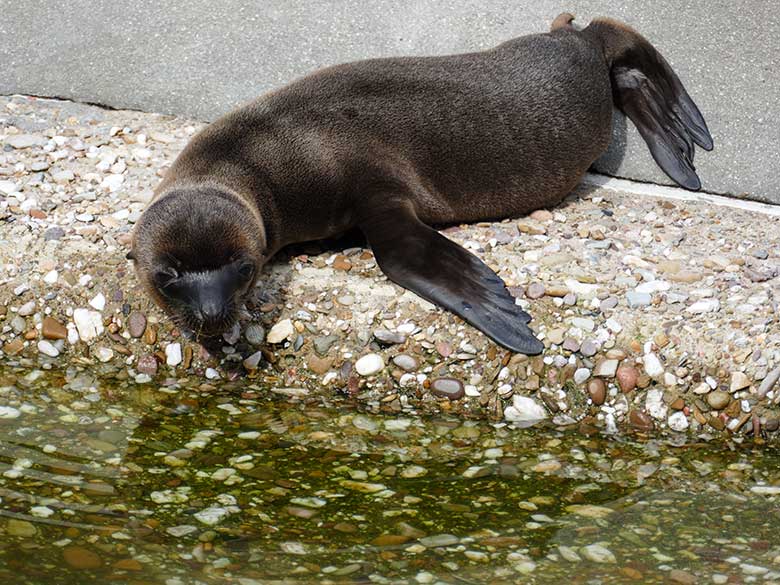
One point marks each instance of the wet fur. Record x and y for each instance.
(394, 145)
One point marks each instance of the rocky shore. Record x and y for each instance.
(656, 315)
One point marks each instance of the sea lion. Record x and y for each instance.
(393, 146)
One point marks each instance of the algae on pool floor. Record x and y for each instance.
(144, 484)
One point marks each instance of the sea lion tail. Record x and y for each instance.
(648, 91)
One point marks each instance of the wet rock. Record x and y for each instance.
(53, 329)
(20, 528)
(524, 411)
(640, 420)
(81, 558)
(678, 422)
(369, 364)
(438, 540)
(173, 355)
(147, 364)
(48, 348)
(323, 344)
(597, 390)
(253, 361)
(450, 388)
(718, 399)
(598, 554)
(679, 576)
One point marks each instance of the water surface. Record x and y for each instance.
(109, 481)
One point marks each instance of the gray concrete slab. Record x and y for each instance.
(202, 57)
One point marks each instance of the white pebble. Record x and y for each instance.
(369, 364)
(173, 354)
(47, 347)
(653, 366)
(8, 412)
(281, 331)
(88, 323)
(98, 302)
(51, 277)
(678, 421)
(704, 306)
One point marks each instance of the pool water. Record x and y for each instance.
(107, 481)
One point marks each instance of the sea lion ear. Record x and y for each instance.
(130, 255)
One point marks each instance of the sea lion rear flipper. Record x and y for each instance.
(419, 258)
(648, 91)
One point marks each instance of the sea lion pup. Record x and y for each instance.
(393, 146)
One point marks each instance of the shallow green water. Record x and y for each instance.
(104, 482)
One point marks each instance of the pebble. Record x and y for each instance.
(589, 348)
(627, 377)
(389, 337)
(598, 553)
(653, 366)
(718, 399)
(26, 309)
(9, 412)
(597, 390)
(212, 516)
(704, 306)
(81, 558)
(173, 355)
(405, 362)
(48, 348)
(147, 364)
(21, 141)
(282, 331)
(654, 403)
(524, 411)
(678, 421)
(438, 540)
(255, 334)
(20, 528)
(253, 361)
(638, 299)
(581, 374)
(448, 388)
(369, 364)
(535, 290)
(640, 420)
(136, 324)
(769, 382)
(606, 368)
(739, 381)
(89, 324)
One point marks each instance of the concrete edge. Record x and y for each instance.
(677, 194)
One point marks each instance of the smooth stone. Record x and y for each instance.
(98, 302)
(768, 382)
(79, 557)
(53, 233)
(589, 348)
(608, 303)
(556, 336)
(255, 334)
(405, 362)
(640, 420)
(439, 540)
(136, 324)
(27, 309)
(627, 377)
(586, 325)
(323, 344)
(9, 412)
(598, 554)
(571, 344)
(581, 374)
(718, 399)
(655, 405)
(53, 329)
(597, 390)
(21, 528)
(282, 331)
(535, 290)
(47, 348)
(21, 141)
(173, 355)
(369, 364)
(448, 388)
(253, 361)
(389, 337)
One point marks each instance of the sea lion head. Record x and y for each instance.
(198, 250)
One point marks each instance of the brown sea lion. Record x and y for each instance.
(393, 146)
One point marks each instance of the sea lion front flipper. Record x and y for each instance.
(419, 258)
(648, 91)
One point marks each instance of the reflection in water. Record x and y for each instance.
(107, 481)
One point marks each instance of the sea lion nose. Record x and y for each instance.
(210, 309)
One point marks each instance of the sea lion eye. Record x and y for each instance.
(246, 270)
(166, 276)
